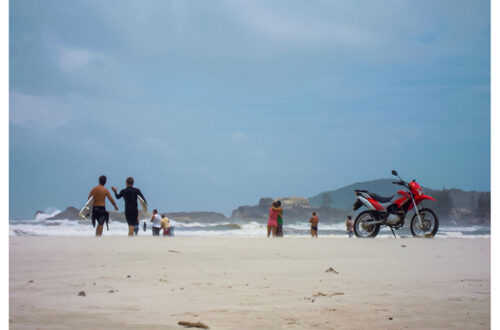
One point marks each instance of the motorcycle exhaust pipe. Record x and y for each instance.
(373, 222)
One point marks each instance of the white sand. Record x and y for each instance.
(230, 283)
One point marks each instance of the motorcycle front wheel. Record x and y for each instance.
(363, 230)
(429, 226)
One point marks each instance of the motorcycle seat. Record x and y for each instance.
(380, 198)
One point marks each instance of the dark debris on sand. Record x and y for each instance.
(331, 270)
(187, 324)
(82, 293)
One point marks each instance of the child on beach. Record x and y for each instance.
(165, 224)
(156, 220)
(314, 224)
(272, 222)
(349, 224)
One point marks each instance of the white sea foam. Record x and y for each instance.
(461, 229)
(321, 226)
(457, 234)
(43, 227)
(196, 224)
(47, 214)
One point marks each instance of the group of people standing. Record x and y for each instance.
(275, 222)
(129, 195)
(159, 223)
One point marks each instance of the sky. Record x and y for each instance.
(214, 104)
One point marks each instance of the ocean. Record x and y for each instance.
(40, 226)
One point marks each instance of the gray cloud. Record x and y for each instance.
(41, 112)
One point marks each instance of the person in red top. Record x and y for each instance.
(272, 222)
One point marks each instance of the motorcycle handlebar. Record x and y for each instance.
(401, 183)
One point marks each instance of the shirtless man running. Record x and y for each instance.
(99, 212)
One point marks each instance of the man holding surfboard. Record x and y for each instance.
(99, 213)
(130, 195)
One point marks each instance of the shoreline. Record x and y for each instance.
(251, 229)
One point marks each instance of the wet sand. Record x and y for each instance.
(249, 283)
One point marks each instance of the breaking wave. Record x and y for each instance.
(41, 226)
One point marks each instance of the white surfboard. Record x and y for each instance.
(86, 211)
(144, 206)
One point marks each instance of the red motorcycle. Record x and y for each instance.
(392, 211)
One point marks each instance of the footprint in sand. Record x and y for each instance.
(321, 294)
(202, 284)
(456, 299)
(185, 314)
(291, 321)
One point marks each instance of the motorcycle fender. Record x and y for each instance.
(366, 203)
(422, 197)
(357, 205)
(419, 199)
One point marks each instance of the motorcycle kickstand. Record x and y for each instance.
(393, 232)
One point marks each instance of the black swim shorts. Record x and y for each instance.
(131, 216)
(314, 228)
(100, 215)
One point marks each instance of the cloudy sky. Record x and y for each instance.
(214, 104)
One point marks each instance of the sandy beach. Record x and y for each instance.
(249, 283)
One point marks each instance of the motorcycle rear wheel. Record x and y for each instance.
(362, 230)
(430, 224)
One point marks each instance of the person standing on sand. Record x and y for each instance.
(165, 224)
(99, 212)
(272, 222)
(156, 220)
(130, 194)
(279, 228)
(314, 224)
(349, 224)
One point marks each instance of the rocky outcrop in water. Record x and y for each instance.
(196, 216)
(70, 213)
